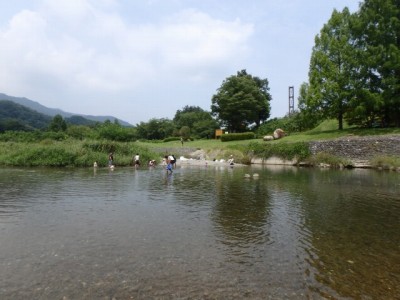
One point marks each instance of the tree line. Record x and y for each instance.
(191, 122)
(240, 104)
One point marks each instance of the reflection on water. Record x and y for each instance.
(201, 232)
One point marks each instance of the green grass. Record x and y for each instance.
(196, 144)
(71, 153)
(325, 131)
(291, 146)
(328, 130)
(83, 153)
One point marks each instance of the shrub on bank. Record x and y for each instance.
(171, 139)
(237, 136)
(386, 162)
(329, 159)
(299, 150)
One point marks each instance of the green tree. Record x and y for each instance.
(9, 124)
(242, 100)
(205, 128)
(58, 124)
(79, 131)
(306, 117)
(200, 122)
(155, 129)
(330, 85)
(115, 132)
(185, 132)
(377, 34)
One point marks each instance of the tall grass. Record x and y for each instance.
(72, 153)
(329, 159)
(289, 151)
(386, 162)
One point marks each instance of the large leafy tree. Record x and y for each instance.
(155, 129)
(242, 100)
(199, 121)
(115, 132)
(331, 87)
(58, 124)
(377, 34)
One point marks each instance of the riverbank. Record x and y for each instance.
(351, 150)
(378, 151)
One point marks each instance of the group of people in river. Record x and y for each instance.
(169, 161)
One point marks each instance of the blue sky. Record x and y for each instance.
(143, 59)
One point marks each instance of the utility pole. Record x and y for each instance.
(291, 100)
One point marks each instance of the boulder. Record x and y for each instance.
(279, 133)
(268, 138)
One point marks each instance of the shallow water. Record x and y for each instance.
(202, 232)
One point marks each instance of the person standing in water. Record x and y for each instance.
(137, 160)
(169, 166)
(110, 159)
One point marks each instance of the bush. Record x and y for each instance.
(171, 139)
(329, 159)
(299, 150)
(386, 162)
(237, 136)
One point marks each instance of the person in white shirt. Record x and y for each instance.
(231, 160)
(137, 160)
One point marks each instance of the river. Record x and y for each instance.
(199, 233)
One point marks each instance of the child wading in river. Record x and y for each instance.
(169, 166)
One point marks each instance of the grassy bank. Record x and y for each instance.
(70, 153)
(76, 153)
(290, 147)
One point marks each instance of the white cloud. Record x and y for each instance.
(79, 54)
(92, 49)
(193, 38)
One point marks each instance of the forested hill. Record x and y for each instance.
(55, 111)
(14, 116)
(18, 117)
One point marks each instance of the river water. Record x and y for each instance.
(200, 233)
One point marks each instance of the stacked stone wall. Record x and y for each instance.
(358, 149)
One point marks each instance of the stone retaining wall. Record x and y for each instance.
(359, 149)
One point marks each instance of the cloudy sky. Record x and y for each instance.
(143, 59)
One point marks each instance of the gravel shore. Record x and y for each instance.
(203, 162)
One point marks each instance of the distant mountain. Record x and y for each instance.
(14, 116)
(55, 111)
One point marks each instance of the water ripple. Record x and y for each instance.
(198, 233)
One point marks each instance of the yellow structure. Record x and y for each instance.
(218, 133)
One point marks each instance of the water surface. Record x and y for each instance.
(202, 232)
